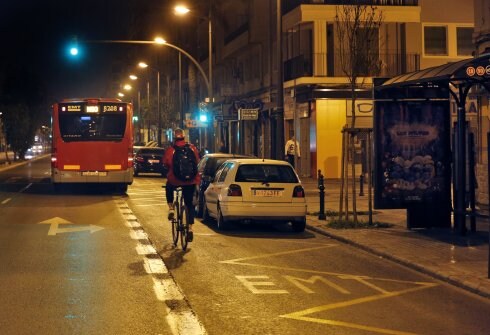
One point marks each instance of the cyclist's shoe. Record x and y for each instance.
(190, 236)
(171, 214)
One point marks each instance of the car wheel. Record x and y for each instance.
(200, 206)
(220, 220)
(205, 215)
(299, 226)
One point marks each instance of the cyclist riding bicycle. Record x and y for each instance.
(181, 160)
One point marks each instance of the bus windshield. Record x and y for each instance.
(83, 127)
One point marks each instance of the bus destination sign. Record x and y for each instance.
(71, 108)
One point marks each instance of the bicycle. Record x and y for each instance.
(180, 221)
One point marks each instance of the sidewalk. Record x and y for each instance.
(458, 260)
(4, 165)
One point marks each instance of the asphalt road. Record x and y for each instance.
(89, 261)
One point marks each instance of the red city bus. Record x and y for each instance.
(92, 142)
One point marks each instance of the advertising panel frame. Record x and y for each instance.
(412, 153)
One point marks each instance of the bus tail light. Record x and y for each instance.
(54, 159)
(234, 190)
(298, 192)
(130, 158)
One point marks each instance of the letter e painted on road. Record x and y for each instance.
(252, 283)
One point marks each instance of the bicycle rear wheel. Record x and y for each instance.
(184, 228)
(175, 227)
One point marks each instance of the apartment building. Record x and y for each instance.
(414, 34)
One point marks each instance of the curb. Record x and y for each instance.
(417, 267)
(5, 166)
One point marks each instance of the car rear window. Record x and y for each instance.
(266, 173)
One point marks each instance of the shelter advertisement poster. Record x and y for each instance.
(412, 152)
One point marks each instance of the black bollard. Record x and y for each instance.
(321, 187)
(361, 185)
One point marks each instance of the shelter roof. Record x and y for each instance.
(471, 70)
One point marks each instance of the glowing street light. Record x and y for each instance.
(120, 94)
(127, 87)
(181, 10)
(133, 77)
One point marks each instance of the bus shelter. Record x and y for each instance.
(414, 162)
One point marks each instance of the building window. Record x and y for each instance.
(464, 40)
(435, 40)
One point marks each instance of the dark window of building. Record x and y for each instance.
(435, 40)
(464, 40)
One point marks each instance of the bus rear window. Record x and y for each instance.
(86, 127)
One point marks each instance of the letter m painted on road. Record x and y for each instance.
(298, 282)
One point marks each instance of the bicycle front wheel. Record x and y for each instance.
(185, 227)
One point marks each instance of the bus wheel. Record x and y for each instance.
(122, 188)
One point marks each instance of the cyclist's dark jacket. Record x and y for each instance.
(168, 162)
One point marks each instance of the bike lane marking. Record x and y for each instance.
(255, 283)
(180, 317)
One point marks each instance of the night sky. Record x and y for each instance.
(35, 35)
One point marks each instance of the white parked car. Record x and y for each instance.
(256, 189)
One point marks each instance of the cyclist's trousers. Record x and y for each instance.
(187, 193)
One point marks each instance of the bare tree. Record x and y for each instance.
(357, 28)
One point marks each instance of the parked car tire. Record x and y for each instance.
(206, 218)
(220, 220)
(299, 226)
(200, 206)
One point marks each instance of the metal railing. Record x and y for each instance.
(324, 65)
(289, 5)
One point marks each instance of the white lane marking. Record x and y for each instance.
(182, 321)
(155, 266)
(185, 322)
(130, 217)
(151, 205)
(138, 235)
(165, 289)
(133, 224)
(6, 200)
(145, 249)
(25, 188)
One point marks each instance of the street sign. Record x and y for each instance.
(248, 113)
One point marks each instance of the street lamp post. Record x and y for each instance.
(182, 10)
(138, 114)
(159, 130)
(160, 41)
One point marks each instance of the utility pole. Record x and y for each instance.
(278, 114)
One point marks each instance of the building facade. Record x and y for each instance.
(317, 101)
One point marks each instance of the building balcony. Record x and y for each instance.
(390, 64)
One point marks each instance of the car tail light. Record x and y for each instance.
(298, 192)
(234, 190)
(139, 159)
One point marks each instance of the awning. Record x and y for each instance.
(471, 71)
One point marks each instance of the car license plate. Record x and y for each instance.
(94, 173)
(153, 161)
(267, 193)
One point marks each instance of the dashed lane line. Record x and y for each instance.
(180, 317)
